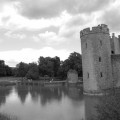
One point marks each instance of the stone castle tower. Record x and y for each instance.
(96, 59)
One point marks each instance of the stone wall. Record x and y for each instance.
(72, 76)
(112, 46)
(96, 59)
(116, 69)
(98, 29)
(116, 44)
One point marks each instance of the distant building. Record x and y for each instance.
(100, 59)
(72, 76)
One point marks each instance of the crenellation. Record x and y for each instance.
(104, 25)
(119, 37)
(85, 31)
(97, 29)
(113, 35)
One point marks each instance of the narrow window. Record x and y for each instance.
(99, 59)
(112, 52)
(100, 42)
(87, 75)
(101, 75)
(86, 45)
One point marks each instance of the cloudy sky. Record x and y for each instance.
(33, 28)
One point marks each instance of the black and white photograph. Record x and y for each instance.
(59, 59)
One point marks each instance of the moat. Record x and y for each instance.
(61, 103)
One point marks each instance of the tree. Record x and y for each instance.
(33, 72)
(8, 70)
(74, 61)
(2, 68)
(56, 65)
(48, 66)
(22, 69)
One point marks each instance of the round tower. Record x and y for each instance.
(96, 59)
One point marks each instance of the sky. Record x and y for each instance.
(33, 28)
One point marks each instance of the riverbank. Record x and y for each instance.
(9, 81)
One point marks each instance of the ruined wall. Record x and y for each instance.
(96, 59)
(72, 76)
(115, 59)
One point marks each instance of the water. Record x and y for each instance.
(34, 103)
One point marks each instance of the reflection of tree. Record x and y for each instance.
(35, 93)
(75, 93)
(22, 92)
(50, 94)
(7, 117)
(4, 91)
(46, 94)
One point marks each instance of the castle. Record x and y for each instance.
(100, 59)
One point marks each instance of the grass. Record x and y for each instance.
(8, 81)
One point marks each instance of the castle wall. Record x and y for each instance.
(89, 81)
(116, 44)
(115, 59)
(112, 46)
(96, 59)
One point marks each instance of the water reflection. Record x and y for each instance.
(109, 108)
(3, 93)
(64, 103)
(90, 107)
(34, 103)
(22, 93)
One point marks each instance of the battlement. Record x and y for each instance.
(114, 36)
(98, 29)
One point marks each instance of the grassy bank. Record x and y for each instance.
(8, 81)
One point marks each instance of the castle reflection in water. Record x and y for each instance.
(63, 103)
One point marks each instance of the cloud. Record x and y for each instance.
(77, 20)
(14, 21)
(112, 19)
(11, 34)
(31, 55)
(52, 8)
(51, 38)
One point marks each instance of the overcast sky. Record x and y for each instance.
(33, 28)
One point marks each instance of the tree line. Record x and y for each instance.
(5, 70)
(46, 66)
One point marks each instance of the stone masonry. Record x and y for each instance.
(97, 47)
(72, 76)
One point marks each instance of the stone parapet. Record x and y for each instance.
(98, 29)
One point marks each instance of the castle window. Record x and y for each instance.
(112, 52)
(100, 42)
(86, 45)
(101, 75)
(87, 75)
(99, 59)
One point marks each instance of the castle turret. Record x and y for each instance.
(96, 59)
